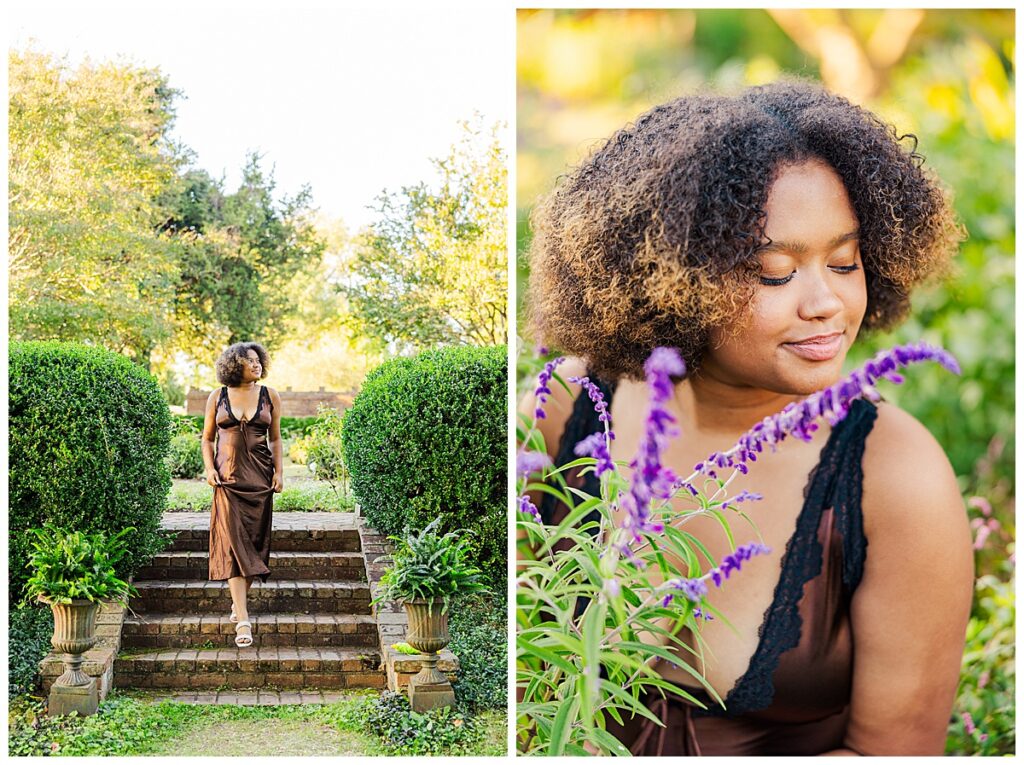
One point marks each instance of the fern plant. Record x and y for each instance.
(426, 566)
(73, 565)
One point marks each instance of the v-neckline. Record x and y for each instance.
(769, 627)
(259, 405)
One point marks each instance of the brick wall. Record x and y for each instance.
(294, 403)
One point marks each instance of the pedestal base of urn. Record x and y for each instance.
(65, 699)
(426, 696)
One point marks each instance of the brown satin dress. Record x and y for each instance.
(794, 697)
(241, 516)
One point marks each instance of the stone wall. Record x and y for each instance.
(293, 403)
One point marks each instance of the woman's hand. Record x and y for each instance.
(278, 483)
(212, 477)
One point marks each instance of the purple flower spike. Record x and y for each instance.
(832, 403)
(526, 506)
(528, 463)
(650, 478)
(734, 560)
(542, 390)
(596, 446)
(595, 394)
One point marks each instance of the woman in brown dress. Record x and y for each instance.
(759, 235)
(245, 469)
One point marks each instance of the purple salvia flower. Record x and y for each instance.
(650, 478)
(832, 403)
(542, 390)
(596, 445)
(695, 589)
(596, 396)
(526, 506)
(528, 463)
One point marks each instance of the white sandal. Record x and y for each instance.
(243, 641)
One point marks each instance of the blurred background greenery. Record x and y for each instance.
(947, 76)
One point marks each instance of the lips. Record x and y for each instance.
(818, 347)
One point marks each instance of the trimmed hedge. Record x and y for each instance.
(427, 436)
(89, 436)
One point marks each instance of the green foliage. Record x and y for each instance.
(89, 435)
(70, 565)
(983, 723)
(448, 730)
(122, 726)
(126, 726)
(479, 637)
(185, 457)
(431, 270)
(28, 642)
(324, 452)
(237, 254)
(427, 437)
(297, 427)
(197, 496)
(427, 566)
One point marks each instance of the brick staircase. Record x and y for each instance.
(312, 622)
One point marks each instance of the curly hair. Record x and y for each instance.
(652, 240)
(229, 364)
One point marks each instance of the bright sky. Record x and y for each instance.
(351, 101)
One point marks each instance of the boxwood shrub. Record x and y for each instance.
(427, 436)
(89, 437)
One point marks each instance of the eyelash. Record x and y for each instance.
(778, 282)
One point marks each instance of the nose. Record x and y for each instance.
(818, 298)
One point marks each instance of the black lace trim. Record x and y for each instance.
(835, 482)
(259, 404)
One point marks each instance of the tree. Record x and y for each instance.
(237, 256)
(432, 269)
(90, 154)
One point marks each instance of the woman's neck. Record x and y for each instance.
(245, 385)
(714, 406)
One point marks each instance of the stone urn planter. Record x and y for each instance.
(428, 634)
(74, 633)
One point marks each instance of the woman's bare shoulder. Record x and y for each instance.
(908, 479)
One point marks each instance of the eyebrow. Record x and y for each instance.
(801, 247)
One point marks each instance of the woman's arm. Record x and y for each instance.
(276, 446)
(209, 436)
(909, 614)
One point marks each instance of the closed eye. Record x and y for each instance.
(778, 281)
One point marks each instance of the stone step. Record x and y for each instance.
(189, 631)
(282, 540)
(252, 667)
(198, 598)
(261, 697)
(292, 531)
(194, 564)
